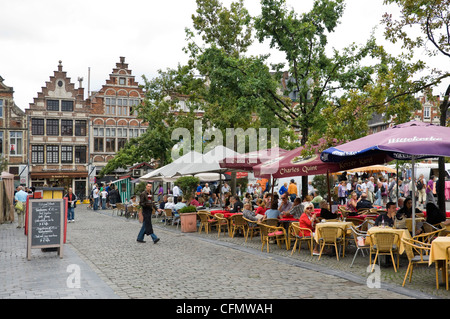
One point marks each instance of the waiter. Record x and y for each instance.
(147, 205)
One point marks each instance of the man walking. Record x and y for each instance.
(21, 197)
(147, 205)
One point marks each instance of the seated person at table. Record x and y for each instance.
(308, 220)
(273, 212)
(434, 216)
(406, 210)
(169, 204)
(237, 205)
(387, 219)
(285, 205)
(213, 200)
(363, 202)
(181, 202)
(134, 202)
(249, 214)
(325, 212)
(351, 205)
(161, 206)
(316, 200)
(297, 209)
(261, 209)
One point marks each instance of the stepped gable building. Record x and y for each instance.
(113, 117)
(58, 135)
(13, 134)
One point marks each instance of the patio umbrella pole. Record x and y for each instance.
(413, 184)
(329, 192)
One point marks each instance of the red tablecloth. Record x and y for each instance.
(226, 213)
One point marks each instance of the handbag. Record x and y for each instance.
(19, 206)
(400, 223)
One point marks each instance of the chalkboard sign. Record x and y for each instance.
(45, 224)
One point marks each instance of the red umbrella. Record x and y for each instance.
(247, 161)
(292, 163)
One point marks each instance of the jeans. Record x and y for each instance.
(141, 234)
(70, 213)
(103, 203)
(96, 203)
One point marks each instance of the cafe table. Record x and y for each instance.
(438, 254)
(402, 233)
(343, 226)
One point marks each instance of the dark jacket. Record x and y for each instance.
(74, 199)
(146, 203)
(114, 197)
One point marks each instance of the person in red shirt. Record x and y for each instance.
(308, 220)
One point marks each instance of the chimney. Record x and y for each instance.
(60, 66)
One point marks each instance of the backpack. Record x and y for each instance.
(419, 185)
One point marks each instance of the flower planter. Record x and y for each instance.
(188, 222)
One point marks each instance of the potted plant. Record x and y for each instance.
(188, 219)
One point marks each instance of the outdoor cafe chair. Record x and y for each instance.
(252, 226)
(428, 237)
(237, 222)
(329, 236)
(384, 243)
(271, 221)
(422, 256)
(360, 241)
(168, 216)
(221, 222)
(272, 232)
(300, 236)
(206, 220)
(118, 208)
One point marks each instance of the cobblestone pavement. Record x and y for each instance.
(189, 265)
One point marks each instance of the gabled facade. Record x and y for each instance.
(58, 135)
(113, 117)
(13, 133)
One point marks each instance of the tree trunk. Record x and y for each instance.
(441, 182)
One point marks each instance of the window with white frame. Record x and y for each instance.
(52, 154)
(426, 112)
(15, 143)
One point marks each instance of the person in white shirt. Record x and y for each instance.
(104, 194)
(95, 196)
(176, 193)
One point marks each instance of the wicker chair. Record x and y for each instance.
(272, 232)
(168, 216)
(384, 243)
(300, 236)
(271, 221)
(237, 222)
(360, 241)
(118, 208)
(206, 220)
(423, 250)
(252, 226)
(221, 222)
(328, 236)
(428, 237)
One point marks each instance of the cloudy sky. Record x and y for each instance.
(35, 35)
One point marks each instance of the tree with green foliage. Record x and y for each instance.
(432, 17)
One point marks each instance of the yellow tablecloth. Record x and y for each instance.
(402, 233)
(344, 226)
(439, 249)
